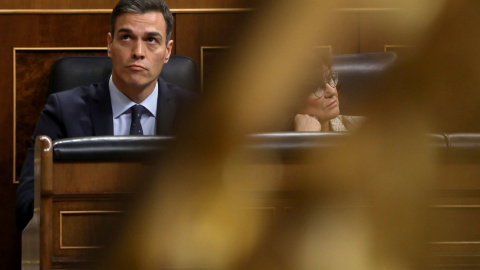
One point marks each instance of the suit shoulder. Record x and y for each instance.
(82, 91)
(175, 90)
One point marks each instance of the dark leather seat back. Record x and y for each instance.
(357, 74)
(73, 71)
(109, 148)
(463, 147)
(290, 147)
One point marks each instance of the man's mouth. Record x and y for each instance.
(137, 67)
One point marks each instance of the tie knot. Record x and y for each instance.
(137, 111)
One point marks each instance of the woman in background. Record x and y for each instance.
(321, 109)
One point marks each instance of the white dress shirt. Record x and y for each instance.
(122, 116)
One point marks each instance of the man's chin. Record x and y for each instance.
(139, 84)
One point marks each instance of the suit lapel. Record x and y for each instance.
(165, 109)
(101, 111)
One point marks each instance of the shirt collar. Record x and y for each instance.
(121, 103)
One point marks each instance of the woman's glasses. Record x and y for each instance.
(332, 81)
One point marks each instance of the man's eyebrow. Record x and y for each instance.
(153, 34)
(147, 34)
(124, 30)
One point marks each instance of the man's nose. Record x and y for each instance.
(138, 51)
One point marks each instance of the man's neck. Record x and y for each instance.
(136, 94)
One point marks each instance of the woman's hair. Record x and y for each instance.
(142, 7)
(318, 72)
(315, 74)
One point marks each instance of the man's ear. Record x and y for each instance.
(109, 43)
(168, 51)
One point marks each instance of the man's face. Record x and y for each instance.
(138, 50)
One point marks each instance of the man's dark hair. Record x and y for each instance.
(142, 7)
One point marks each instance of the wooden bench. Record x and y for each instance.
(82, 185)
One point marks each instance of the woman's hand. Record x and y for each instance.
(305, 122)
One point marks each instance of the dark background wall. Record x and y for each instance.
(35, 33)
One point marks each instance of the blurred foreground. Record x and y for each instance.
(360, 206)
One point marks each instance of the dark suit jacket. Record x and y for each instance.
(87, 111)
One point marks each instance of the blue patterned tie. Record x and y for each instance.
(136, 126)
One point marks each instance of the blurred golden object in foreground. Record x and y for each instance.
(361, 206)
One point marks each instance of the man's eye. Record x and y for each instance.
(152, 40)
(126, 37)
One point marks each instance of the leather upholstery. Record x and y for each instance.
(440, 146)
(73, 71)
(109, 148)
(289, 147)
(357, 74)
(463, 147)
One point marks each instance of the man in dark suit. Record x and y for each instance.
(133, 101)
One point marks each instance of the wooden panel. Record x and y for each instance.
(77, 218)
(402, 51)
(31, 31)
(182, 4)
(456, 256)
(196, 30)
(455, 216)
(98, 177)
(215, 58)
(456, 223)
(368, 4)
(30, 93)
(377, 29)
(211, 60)
(459, 177)
(344, 37)
(109, 4)
(87, 201)
(80, 229)
(54, 4)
